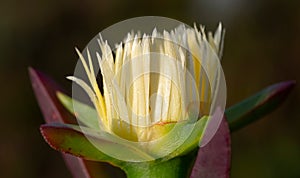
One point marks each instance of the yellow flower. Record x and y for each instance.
(151, 82)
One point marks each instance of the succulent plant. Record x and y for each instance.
(168, 140)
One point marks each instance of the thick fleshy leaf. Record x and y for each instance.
(213, 160)
(69, 139)
(258, 105)
(85, 113)
(53, 111)
(193, 139)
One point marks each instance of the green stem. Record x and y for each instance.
(176, 167)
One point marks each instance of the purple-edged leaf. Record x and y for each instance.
(69, 139)
(213, 160)
(45, 91)
(53, 111)
(258, 105)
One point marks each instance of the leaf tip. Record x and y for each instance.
(50, 135)
(287, 85)
(281, 90)
(32, 73)
(45, 133)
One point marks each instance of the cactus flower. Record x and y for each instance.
(157, 98)
(154, 87)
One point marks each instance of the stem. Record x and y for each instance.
(175, 167)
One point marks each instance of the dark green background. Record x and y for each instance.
(261, 47)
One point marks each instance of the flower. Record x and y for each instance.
(145, 82)
(153, 82)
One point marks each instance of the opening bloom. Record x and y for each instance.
(153, 82)
(161, 98)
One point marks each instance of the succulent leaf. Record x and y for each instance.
(258, 105)
(84, 113)
(69, 139)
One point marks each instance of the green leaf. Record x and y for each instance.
(84, 113)
(258, 105)
(191, 142)
(70, 139)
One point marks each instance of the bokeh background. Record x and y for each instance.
(262, 46)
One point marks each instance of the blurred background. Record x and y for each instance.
(262, 46)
